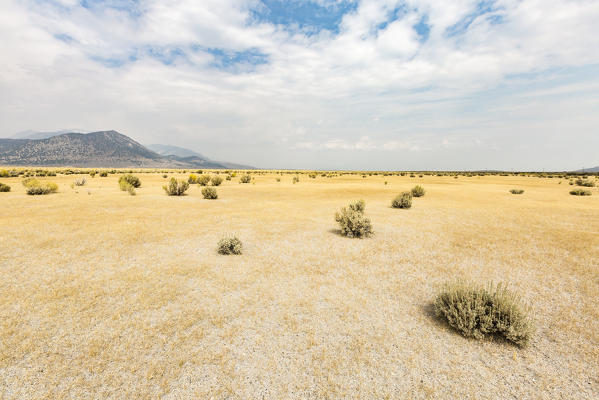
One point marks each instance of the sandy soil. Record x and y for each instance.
(106, 295)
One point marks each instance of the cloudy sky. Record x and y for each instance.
(314, 84)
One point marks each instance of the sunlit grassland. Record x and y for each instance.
(107, 295)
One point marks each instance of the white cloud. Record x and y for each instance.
(364, 89)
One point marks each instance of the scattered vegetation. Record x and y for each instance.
(352, 221)
(418, 191)
(176, 187)
(517, 191)
(34, 187)
(230, 245)
(209, 193)
(580, 192)
(477, 311)
(403, 200)
(4, 188)
(585, 183)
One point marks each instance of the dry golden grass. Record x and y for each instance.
(106, 295)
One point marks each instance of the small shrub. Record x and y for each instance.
(295, 179)
(245, 179)
(79, 182)
(103, 174)
(4, 173)
(216, 180)
(209, 193)
(165, 176)
(352, 221)
(34, 187)
(92, 174)
(418, 191)
(580, 192)
(585, 183)
(193, 179)
(477, 311)
(403, 200)
(203, 180)
(4, 188)
(278, 179)
(176, 187)
(131, 180)
(517, 191)
(230, 245)
(228, 177)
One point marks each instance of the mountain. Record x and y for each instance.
(167, 150)
(590, 170)
(95, 149)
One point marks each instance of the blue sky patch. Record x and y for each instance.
(482, 8)
(305, 15)
(129, 6)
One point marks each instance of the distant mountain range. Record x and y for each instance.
(99, 149)
(590, 170)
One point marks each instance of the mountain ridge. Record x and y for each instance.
(94, 149)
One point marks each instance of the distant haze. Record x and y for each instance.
(314, 84)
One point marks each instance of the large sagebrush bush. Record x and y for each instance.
(580, 192)
(352, 221)
(477, 311)
(4, 188)
(230, 245)
(209, 193)
(34, 187)
(176, 187)
(418, 191)
(245, 179)
(402, 200)
(203, 180)
(131, 180)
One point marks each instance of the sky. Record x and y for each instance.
(314, 84)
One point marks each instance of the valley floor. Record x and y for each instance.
(106, 295)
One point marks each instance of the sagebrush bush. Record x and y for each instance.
(4, 188)
(193, 179)
(295, 179)
(209, 193)
(103, 174)
(402, 200)
(418, 191)
(517, 191)
(216, 180)
(230, 245)
(4, 173)
(245, 179)
(79, 182)
(580, 192)
(477, 311)
(131, 180)
(352, 221)
(176, 187)
(585, 183)
(203, 180)
(34, 187)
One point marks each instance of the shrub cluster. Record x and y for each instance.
(352, 221)
(34, 187)
(580, 192)
(4, 188)
(176, 187)
(403, 200)
(585, 183)
(477, 311)
(230, 245)
(209, 193)
(418, 191)
(517, 191)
